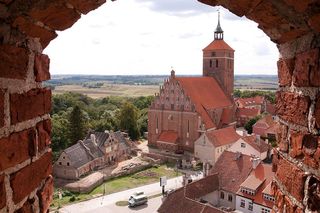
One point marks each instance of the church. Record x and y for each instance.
(186, 107)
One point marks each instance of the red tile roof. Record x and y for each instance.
(168, 136)
(218, 45)
(264, 173)
(244, 102)
(270, 108)
(202, 187)
(223, 136)
(232, 171)
(245, 112)
(259, 146)
(206, 94)
(227, 116)
(183, 199)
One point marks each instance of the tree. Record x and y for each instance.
(77, 129)
(250, 123)
(128, 117)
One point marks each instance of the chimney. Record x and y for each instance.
(255, 162)
(244, 133)
(258, 139)
(93, 139)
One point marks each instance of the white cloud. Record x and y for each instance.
(134, 37)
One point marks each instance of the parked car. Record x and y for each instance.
(137, 199)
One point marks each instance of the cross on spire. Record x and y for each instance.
(218, 33)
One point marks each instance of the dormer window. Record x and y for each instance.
(243, 145)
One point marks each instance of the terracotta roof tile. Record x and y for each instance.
(236, 171)
(257, 100)
(252, 182)
(227, 116)
(223, 136)
(264, 173)
(245, 112)
(206, 94)
(261, 146)
(218, 45)
(168, 136)
(202, 187)
(270, 108)
(177, 202)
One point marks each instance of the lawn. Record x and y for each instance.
(141, 178)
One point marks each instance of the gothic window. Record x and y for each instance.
(222, 195)
(188, 126)
(157, 123)
(230, 198)
(210, 64)
(217, 63)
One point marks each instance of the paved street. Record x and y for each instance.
(106, 203)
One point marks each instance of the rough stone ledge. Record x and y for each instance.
(311, 92)
(283, 191)
(5, 131)
(18, 86)
(300, 164)
(293, 126)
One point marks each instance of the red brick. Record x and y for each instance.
(299, 6)
(289, 206)
(2, 108)
(316, 155)
(292, 107)
(296, 141)
(28, 27)
(3, 197)
(25, 106)
(317, 112)
(283, 138)
(292, 34)
(41, 67)
(85, 6)
(17, 148)
(29, 178)
(285, 70)
(311, 162)
(6, 1)
(291, 177)
(306, 71)
(44, 132)
(314, 22)
(310, 144)
(55, 15)
(14, 62)
(45, 195)
(27, 207)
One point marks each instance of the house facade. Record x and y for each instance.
(97, 150)
(187, 106)
(266, 127)
(211, 144)
(251, 145)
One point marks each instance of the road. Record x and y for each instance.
(106, 203)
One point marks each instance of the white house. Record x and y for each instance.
(251, 145)
(211, 144)
(254, 194)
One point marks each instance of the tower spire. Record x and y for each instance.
(218, 33)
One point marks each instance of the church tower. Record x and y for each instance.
(218, 61)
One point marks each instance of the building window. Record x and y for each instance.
(60, 163)
(217, 63)
(222, 195)
(243, 145)
(213, 54)
(68, 164)
(242, 203)
(210, 63)
(265, 210)
(250, 207)
(230, 198)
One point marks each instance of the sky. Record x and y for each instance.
(150, 37)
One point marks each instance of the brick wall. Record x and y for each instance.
(26, 28)
(296, 185)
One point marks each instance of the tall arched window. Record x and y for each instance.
(210, 63)
(217, 63)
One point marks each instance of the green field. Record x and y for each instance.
(109, 90)
(141, 178)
